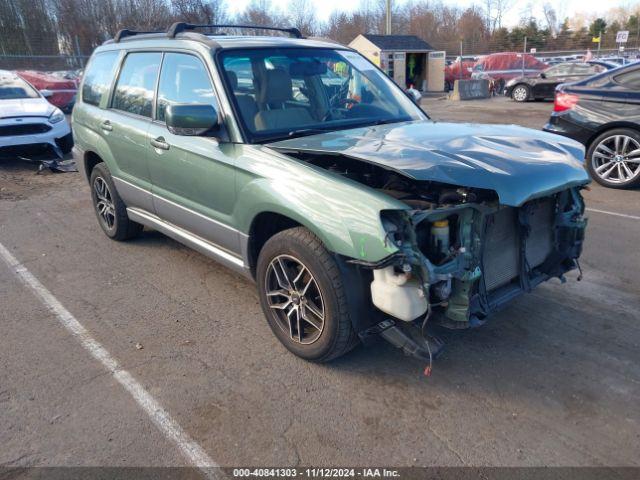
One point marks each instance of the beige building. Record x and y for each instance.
(405, 58)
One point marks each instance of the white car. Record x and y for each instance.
(29, 124)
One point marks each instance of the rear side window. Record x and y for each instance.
(630, 80)
(97, 78)
(586, 69)
(137, 80)
(559, 70)
(184, 79)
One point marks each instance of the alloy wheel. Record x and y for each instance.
(520, 94)
(104, 203)
(616, 159)
(295, 299)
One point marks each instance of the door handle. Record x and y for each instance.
(106, 126)
(160, 143)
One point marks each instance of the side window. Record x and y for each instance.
(184, 79)
(98, 77)
(137, 80)
(585, 69)
(631, 80)
(559, 70)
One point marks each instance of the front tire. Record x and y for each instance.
(109, 207)
(613, 158)
(303, 296)
(520, 93)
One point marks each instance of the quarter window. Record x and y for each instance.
(184, 79)
(97, 78)
(630, 79)
(134, 90)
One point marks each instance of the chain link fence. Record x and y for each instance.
(43, 63)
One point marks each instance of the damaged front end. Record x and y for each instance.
(471, 257)
(460, 254)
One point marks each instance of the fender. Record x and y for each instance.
(345, 215)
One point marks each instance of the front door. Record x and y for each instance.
(193, 176)
(546, 87)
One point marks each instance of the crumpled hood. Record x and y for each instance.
(518, 163)
(25, 107)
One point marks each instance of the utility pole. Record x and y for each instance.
(388, 18)
(460, 73)
(599, 42)
(524, 53)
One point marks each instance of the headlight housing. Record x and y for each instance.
(56, 116)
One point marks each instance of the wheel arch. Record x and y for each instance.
(611, 126)
(264, 226)
(89, 160)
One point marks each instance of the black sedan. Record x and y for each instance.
(603, 113)
(543, 85)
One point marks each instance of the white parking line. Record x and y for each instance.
(167, 425)
(615, 214)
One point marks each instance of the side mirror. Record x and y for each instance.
(543, 75)
(46, 93)
(191, 119)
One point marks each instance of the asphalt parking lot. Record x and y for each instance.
(552, 380)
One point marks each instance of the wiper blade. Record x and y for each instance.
(383, 121)
(306, 131)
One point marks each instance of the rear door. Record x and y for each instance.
(126, 123)
(193, 176)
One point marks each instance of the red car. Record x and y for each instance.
(457, 71)
(62, 91)
(502, 67)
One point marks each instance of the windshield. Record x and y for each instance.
(13, 87)
(281, 93)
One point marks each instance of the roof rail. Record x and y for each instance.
(124, 33)
(179, 27)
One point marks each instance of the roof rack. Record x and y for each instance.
(179, 27)
(124, 33)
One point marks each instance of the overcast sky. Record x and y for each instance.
(564, 8)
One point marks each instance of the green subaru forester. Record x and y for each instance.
(301, 165)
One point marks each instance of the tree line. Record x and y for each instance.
(53, 27)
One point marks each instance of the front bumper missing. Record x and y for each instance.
(489, 268)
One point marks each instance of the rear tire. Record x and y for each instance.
(611, 161)
(520, 93)
(303, 297)
(109, 207)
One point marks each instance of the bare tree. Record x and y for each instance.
(500, 9)
(301, 14)
(551, 18)
(261, 12)
(200, 11)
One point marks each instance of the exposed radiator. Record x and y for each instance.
(502, 243)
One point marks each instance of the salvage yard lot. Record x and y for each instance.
(553, 379)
